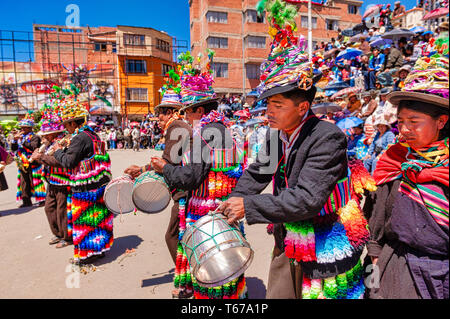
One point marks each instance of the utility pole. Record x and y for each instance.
(309, 31)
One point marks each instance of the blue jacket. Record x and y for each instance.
(376, 62)
(381, 143)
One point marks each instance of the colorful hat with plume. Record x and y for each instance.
(287, 67)
(428, 81)
(66, 104)
(170, 91)
(196, 86)
(27, 121)
(50, 121)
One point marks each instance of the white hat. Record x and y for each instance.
(380, 120)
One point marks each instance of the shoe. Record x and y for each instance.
(62, 244)
(26, 205)
(54, 240)
(41, 204)
(182, 294)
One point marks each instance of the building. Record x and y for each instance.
(117, 70)
(239, 36)
(409, 19)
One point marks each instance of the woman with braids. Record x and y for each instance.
(409, 211)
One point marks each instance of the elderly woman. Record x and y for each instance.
(409, 211)
(382, 139)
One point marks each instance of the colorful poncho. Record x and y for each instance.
(92, 222)
(227, 168)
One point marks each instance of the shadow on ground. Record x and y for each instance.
(164, 279)
(256, 288)
(17, 211)
(119, 248)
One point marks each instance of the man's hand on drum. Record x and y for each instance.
(134, 171)
(233, 209)
(158, 164)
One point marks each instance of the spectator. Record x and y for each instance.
(357, 134)
(127, 137)
(354, 105)
(120, 139)
(112, 138)
(402, 74)
(393, 61)
(376, 63)
(398, 9)
(136, 135)
(369, 105)
(382, 139)
(416, 51)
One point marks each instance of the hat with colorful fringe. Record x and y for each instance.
(67, 106)
(288, 67)
(428, 81)
(27, 121)
(196, 86)
(170, 91)
(50, 121)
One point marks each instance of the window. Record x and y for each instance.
(166, 68)
(100, 47)
(220, 70)
(134, 39)
(351, 9)
(332, 24)
(137, 95)
(253, 17)
(136, 66)
(162, 45)
(114, 48)
(217, 17)
(305, 22)
(256, 42)
(253, 71)
(217, 43)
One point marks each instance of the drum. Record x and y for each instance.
(150, 193)
(117, 195)
(216, 251)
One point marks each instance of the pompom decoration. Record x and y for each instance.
(196, 86)
(361, 178)
(287, 62)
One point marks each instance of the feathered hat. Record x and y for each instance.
(288, 67)
(170, 91)
(428, 81)
(196, 86)
(27, 121)
(67, 105)
(50, 121)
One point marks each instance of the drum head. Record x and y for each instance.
(118, 198)
(151, 197)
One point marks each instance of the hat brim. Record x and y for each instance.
(74, 119)
(396, 97)
(175, 106)
(49, 132)
(25, 125)
(281, 90)
(201, 103)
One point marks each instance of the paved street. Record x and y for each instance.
(138, 265)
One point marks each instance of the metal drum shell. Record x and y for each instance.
(109, 190)
(149, 178)
(218, 264)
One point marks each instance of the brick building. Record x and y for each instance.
(130, 61)
(239, 36)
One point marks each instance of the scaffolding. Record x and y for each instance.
(31, 63)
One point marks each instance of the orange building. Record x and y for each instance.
(239, 36)
(145, 55)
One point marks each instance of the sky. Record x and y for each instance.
(169, 16)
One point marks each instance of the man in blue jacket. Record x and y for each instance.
(375, 64)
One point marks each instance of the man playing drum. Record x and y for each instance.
(178, 135)
(209, 172)
(319, 231)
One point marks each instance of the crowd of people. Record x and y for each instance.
(354, 144)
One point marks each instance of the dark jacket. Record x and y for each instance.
(318, 160)
(394, 59)
(191, 176)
